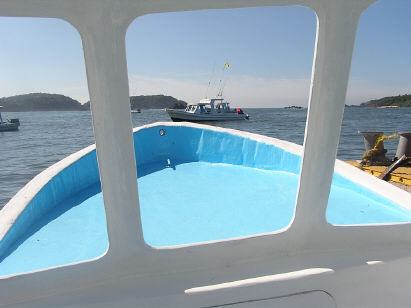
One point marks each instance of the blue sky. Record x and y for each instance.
(270, 52)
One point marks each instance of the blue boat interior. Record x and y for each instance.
(195, 185)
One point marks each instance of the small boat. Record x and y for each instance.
(384, 107)
(293, 107)
(8, 125)
(215, 109)
(136, 111)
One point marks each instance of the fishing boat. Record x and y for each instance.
(61, 247)
(215, 109)
(8, 125)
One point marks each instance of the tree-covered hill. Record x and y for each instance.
(58, 102)
(39, 102)
(153, 102)
(400, 101)
(156, 102)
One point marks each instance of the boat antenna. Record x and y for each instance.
(209, 81)
(223, 86)
(221, 83)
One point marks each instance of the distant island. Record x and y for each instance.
(40, 102)
(394, 101)
(58, 102)
(152, 102)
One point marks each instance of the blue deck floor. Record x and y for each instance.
(188, 203)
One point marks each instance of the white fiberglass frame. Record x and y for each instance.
(131, 270)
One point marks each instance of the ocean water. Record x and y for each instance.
(47, 137)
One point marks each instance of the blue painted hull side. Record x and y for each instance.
(178, 145)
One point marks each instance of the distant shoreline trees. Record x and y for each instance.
(399, 101)
(58, 102)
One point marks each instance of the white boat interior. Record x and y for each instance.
(311, 263)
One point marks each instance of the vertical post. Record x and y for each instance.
(337, 23)
(104, 51)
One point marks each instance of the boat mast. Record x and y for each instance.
(209, 81)
(222, 82)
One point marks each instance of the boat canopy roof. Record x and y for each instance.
(210, 100)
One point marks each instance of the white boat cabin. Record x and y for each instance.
(213, 105)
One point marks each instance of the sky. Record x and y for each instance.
(269, 50)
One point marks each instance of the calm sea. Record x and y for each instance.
(46, 137)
